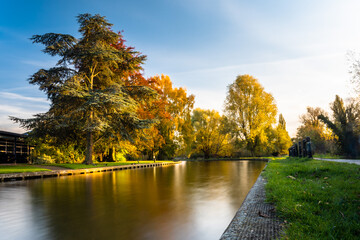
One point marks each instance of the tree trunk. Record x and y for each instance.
(207, 154)
(89, 148)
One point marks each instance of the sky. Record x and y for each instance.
(298, 50)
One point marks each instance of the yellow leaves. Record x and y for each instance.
(251, 109)
(208, 131)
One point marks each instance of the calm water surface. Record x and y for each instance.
(193, 200)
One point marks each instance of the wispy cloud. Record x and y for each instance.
(297, 27)
(40, 64)
(18, 105)
(9, 95)
(295, 83)
(260, 64)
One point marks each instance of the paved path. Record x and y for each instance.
(340, 160)
(255, 219)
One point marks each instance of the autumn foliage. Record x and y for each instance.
(104, 108)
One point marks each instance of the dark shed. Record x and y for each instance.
(14, 148)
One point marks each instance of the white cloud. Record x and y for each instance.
(8, 95)
(17, 105)
(40, 64)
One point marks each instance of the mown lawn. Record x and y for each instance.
(317, 199)
(20, 168)
(107, 164)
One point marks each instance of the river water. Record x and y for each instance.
(191, 200)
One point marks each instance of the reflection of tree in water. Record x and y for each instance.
(152, 203)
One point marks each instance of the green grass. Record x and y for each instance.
(317, 199)
(329, 156)
(20, 168)
(233, 159)
(107, 164)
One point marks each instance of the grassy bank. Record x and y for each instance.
(20, 168)
(317, 199)
(230, 159)
(329, 156)
(105, 164)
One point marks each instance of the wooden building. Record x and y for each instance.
(14, 148)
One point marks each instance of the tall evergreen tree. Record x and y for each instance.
(87, 87)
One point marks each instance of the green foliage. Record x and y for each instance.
(46, 152)
(279, 140)
(318, 199)
(322, 138)
(120, 157)
(20, 168)
(87, 90)
(329, 156)
(211, 137)
(103, 164)
(345, 125)
(43, 159)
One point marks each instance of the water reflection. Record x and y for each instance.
(196, 200)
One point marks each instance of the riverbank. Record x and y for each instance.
(19, 168)
(255, 219)
(33, 172)
(231, 159)
(317, 199)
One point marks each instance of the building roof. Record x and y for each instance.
(11, 134)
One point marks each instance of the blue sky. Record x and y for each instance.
(296, 49)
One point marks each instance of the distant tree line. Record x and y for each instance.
(337, 134)
(102, 108)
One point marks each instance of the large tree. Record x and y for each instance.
(211, 135)
(321, 136)
(345, 125)
(251, 111)
(87, 88)
(170, 134)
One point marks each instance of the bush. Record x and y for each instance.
(61, 154)
(44, 159)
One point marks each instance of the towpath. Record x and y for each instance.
(255, 219)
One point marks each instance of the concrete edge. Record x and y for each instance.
(255, 219)
(57, 173)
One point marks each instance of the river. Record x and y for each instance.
(191, 200)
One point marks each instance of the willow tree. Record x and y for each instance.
(250, 111)
(87, 87)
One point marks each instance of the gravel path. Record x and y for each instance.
(340, 160)
(255, 219)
